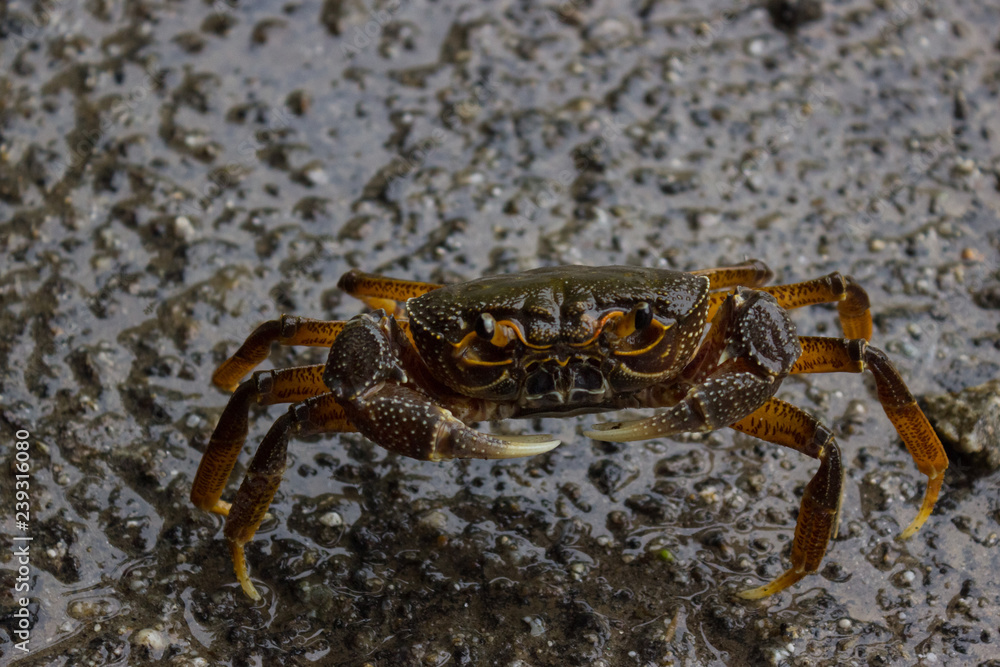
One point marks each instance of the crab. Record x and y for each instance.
(708, 348)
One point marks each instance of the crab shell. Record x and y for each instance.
(563, 340)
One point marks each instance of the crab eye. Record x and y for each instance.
(486, 326)
(638, 319)
(643, 316)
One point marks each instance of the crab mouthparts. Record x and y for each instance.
(570, 383)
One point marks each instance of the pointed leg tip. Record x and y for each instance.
(789, 578)
(242, 574)
(758, 593)
(221, 507)
(250, 591)
(926, 507)
(914, 526)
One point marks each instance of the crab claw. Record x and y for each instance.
(365, 375)
(404, 421)
(515, 446)
(625, 431)
(716, 403)
(679, 418)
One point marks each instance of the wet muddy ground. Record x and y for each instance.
(173, 173)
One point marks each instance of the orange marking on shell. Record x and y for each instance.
(648, 348)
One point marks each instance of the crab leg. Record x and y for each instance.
(751, 273)
(853, 305)
(320, 414)
(852, 301)
(376, 291)
(289, 385)
(363, 373)
(787, 425)
(841, 355)
(380, 292)
(287, 330)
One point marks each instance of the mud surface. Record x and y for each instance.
(173, 173)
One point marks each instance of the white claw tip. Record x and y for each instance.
(612, 432)
(528, 445)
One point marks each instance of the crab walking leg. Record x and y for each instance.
(785, 424)
(289, 385)
(840, 355)
(380, 292)
(320, 414)
(853, 305)
(751, 273)
(287, 330)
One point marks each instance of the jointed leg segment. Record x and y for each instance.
(320, 414)
(287, 330)
(784, 424)
(787, 425)
(288, 385)
(752, 273)
(389, 294)
(852, 301)
(832, 355)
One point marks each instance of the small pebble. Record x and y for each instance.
(709, 494)
(964, 166)
(434, 520)
(151, 639)
(705, 220)
(84, 609)
(317, 176)
(972, 255)
(332, 520)
(536, 625)
(183, 229)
